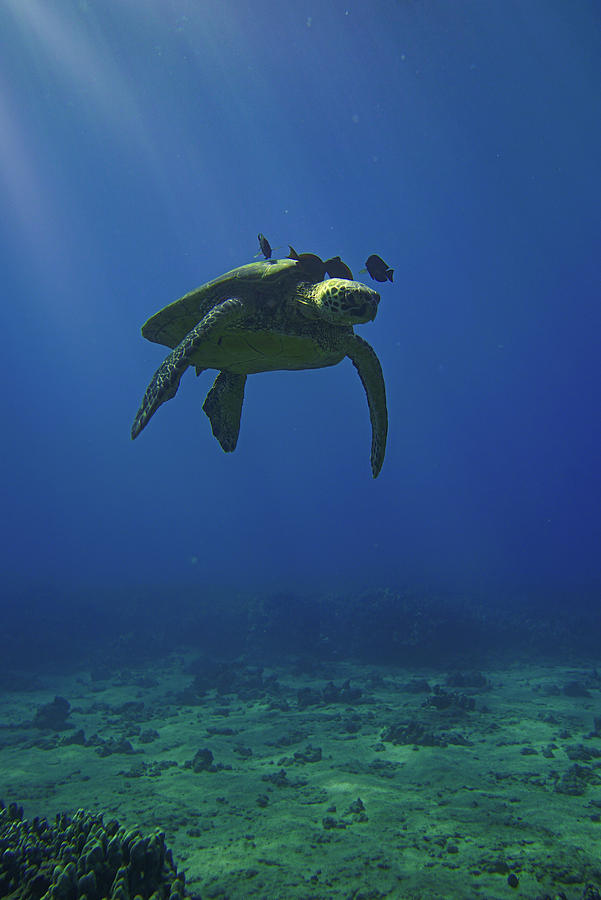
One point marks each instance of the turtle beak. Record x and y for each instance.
(366, 312)
(373, 305)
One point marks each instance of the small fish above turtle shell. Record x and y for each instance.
(264, 245)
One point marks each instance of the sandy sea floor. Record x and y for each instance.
(427, 785)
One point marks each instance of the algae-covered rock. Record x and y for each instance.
(53, 716)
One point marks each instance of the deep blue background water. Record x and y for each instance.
(144, 144)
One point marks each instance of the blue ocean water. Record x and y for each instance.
(330, 686)
(145, 144)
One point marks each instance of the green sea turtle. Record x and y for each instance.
(262, 317)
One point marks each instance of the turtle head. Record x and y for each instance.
(340, 302)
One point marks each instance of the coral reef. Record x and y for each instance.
(81, 856)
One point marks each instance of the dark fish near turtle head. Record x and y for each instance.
(312, 265)
(378, 269)
(338, 269)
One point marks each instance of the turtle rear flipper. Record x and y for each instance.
(165, 381)
(368, 366)
(223, 406)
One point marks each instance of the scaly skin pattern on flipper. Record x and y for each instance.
(368, 366)
(165, 381)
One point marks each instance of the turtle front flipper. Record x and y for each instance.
(223, 406)
(165, 380)
(368, 366)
